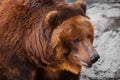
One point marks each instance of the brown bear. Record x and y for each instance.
(44, 40)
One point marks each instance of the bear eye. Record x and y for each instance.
(76, 40)
(89, 36)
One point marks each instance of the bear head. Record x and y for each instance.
(69, 40)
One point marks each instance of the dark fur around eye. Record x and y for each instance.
(89, 36)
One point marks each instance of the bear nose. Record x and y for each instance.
(94, 58)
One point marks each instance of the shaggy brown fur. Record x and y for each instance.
(39, 39)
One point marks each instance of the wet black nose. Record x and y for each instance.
(94, 58)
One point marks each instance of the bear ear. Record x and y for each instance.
(80, 5)
(53, 19)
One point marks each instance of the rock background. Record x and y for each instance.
(98, 1)
(106, 21)
(105, 16)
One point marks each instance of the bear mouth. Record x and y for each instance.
(87, 65)
(84, 63)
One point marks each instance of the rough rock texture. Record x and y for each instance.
(106, 20)
(102, 1)
(98, 1)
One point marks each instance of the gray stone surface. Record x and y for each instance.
(98, 1)
(106, 21)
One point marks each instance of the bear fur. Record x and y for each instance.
(37, 38)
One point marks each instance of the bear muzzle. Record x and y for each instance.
(87, 55)
(94, 58)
